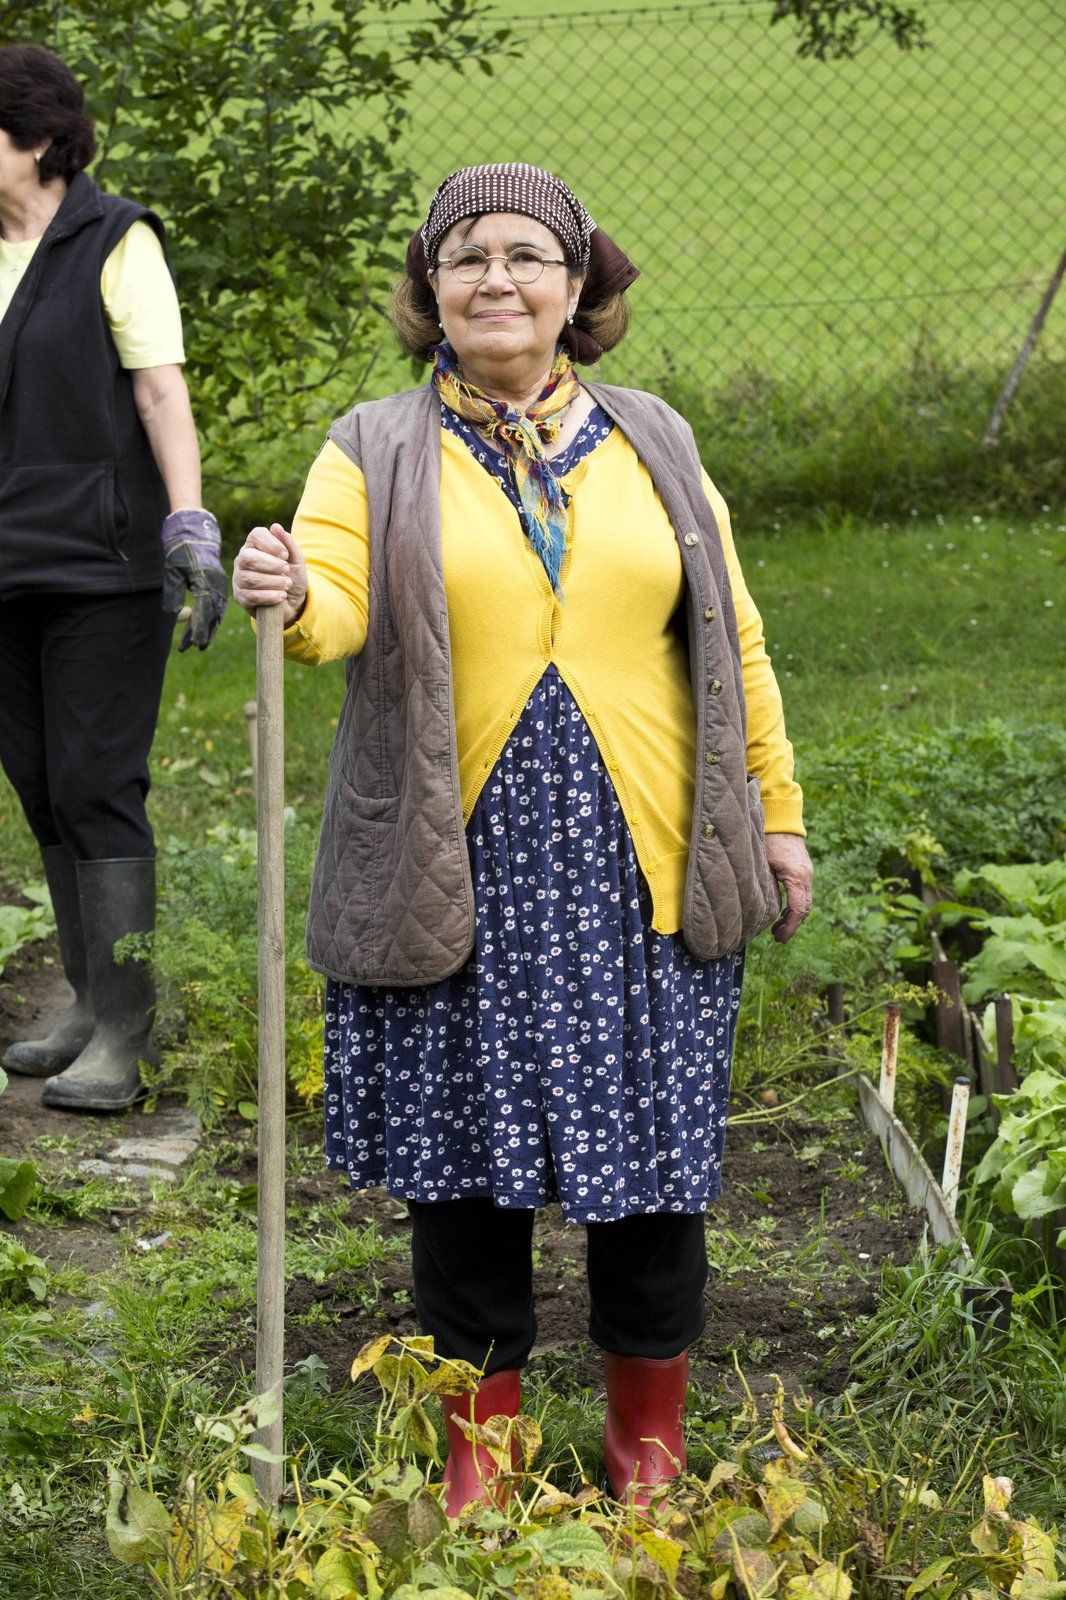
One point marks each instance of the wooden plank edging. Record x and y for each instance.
(911, 1169)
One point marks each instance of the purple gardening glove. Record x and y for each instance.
(192, 549)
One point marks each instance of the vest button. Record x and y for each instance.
(708, 613)
(709, 830)
(714, 685)
(692, 538)
(713, 757)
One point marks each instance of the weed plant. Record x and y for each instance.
(787, 1512)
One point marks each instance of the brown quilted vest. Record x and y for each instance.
(392, 900)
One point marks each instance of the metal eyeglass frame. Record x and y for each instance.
(473, 249)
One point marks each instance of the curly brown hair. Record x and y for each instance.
(415, 321)
(40, 98)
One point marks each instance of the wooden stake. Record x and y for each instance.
(1008, 1077)
(834, 999)
(270, 808)
(999, 411)
(889, 1054)
(949, 1184)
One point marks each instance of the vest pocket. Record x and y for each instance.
(56, 521)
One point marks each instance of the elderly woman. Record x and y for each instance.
(543, 851)
(101, 532)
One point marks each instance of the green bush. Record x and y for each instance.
(880, 447)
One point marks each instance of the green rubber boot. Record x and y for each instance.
(40, 1058)
(117, 898)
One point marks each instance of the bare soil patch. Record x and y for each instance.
(796, 1244)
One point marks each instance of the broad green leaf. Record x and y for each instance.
(1031, 1197)
(570, 1544)
(18, 1179)
(336, 1575)
(810, 1518)
(138, 1524)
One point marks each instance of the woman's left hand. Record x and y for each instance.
(794, 871)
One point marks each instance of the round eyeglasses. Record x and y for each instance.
(523, 264)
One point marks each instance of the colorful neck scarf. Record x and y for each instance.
(523, 435)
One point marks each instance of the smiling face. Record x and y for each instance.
(499, 324)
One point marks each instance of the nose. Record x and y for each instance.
(496, 278)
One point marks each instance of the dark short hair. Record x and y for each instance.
(40, 98)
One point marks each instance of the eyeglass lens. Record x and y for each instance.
(523, 266)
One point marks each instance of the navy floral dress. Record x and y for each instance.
(578, 1055)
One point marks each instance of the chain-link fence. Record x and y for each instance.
(821, 220)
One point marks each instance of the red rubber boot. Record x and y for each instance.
(470, 1468)
(644, 1439)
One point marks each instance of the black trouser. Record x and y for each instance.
(473, 1276)
(80, 681)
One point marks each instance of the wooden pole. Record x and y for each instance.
(270, 810)
(834, 999)
(1008, 1077)
(999, 411)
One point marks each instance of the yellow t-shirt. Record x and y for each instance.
(137, 290)
(612, 640)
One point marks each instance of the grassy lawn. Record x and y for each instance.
(933, 622)
(783, 209)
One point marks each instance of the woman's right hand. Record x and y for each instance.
(270, 571)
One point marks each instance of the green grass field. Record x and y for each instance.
(803, 217)
(924, 623)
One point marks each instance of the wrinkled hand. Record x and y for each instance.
(794, 871)
(270, 571)
(192, 560)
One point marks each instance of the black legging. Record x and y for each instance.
(473, 1276)
(80, 681)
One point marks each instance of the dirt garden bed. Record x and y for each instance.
(796, 1242)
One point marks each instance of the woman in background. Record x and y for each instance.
(101, 533)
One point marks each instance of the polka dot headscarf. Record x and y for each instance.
(510, 186)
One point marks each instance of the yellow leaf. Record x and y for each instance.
(223, 1536)
(1037, 1549)
(369, 1356)
(667, 1552)
(826, 1582)
(781, 1500)
(453, 1377)
(527, 1435)
(998, 1492)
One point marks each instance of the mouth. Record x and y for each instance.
(498, 316)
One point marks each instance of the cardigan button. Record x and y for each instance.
(713, 757)
(714, 685)
(708, 613)
(709, 830)
(692, 538)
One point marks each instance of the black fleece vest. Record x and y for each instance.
(81, 498)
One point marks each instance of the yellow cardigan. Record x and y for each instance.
(611, 638)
